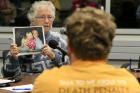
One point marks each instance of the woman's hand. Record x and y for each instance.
(14, 50)
(47, 51)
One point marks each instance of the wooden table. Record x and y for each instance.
(26, 79)
(137, 75)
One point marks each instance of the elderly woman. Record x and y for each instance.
(42, 13)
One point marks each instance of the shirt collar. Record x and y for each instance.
(88, 63)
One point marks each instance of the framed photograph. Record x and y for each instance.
(29, 39)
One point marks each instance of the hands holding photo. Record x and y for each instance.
(14, 50)
(46, 51)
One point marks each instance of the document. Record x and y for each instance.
(21, 88)
(3, 81)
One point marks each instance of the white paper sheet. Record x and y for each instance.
(5, 81)
(21, 88)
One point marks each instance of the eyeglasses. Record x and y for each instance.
(50, 18)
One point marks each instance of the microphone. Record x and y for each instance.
(54, 44)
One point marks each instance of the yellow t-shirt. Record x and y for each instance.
(86, 77)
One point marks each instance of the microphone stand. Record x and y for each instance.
(139, 63)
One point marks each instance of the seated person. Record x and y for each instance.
(41, 13)
(90, 34)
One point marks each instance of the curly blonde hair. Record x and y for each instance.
(90, 32)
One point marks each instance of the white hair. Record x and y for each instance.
(36, 6)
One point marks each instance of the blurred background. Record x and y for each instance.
(126, 12)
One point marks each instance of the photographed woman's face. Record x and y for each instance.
(35, 34)
(44, 18)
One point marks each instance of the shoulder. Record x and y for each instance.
(55, 34)
(52, 73)
(47, 73)
(47, 77)
(59, 37)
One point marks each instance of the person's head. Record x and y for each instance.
(42, 13)
(90, 34)
(35, 33)
(7, 13)
(29, 35)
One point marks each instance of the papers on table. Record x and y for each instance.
(3, 81)
(21, 88)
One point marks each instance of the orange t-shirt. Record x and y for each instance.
(86, 77)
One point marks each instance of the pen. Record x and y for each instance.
(21, 89)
